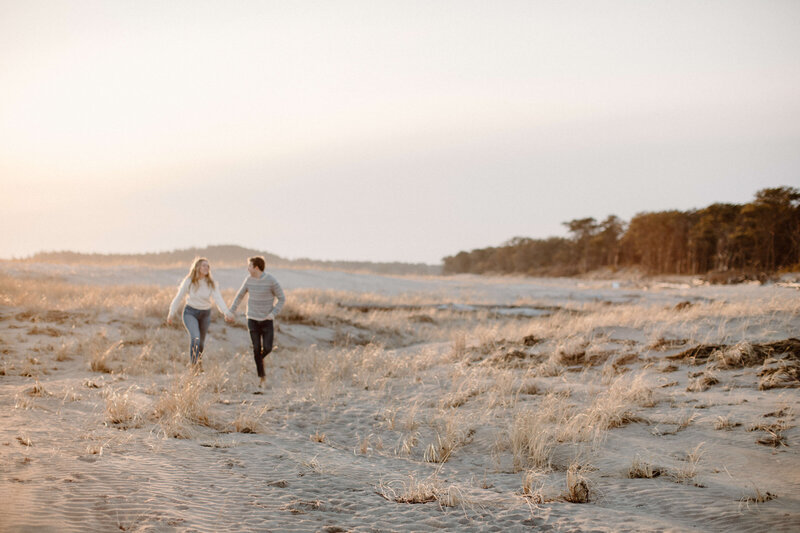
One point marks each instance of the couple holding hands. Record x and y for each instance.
(262, 307)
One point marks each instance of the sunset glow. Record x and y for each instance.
(381, 131)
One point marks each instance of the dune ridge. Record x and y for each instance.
(409, 405)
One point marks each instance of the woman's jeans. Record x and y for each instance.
(261, 333)
(196, 322)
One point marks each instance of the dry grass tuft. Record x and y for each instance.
(37, 390)
(743, 354)
(661, 344)
(427, 490)
(185, 403)
(577, 484)
(122, 411)
(740, 355)
(757, 497)
(533, 487)
(702, 382)
(667, 367)
(774, 433)
(23, 402)
(248, 418)
(533, 433)
(641, 469)
(452, 432)
(63, 352)
(614, 407)
(773, 439)
(91, 384)
(778, 425)
(71, 395)
(462, 396)
(779, 373)
(95, 448)
(725, 423)
(407, 443)
(100, 355)
(459, 347)
(689, 470)
(681, 422)
(364, 444)
(32, 368)
(46, 330)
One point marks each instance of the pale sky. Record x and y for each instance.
(382, 131)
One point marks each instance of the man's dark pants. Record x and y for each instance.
(261, 333)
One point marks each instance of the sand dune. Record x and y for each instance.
(399, 404)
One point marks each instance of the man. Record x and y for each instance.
(261, 309)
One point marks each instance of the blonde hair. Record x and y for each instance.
(194, 275)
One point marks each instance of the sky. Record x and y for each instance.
(382, 130)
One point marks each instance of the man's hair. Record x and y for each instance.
(258, 262)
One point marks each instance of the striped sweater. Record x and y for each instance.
(263, 292)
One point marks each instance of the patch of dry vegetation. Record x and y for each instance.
(72, 304)
(756, 496)
(453, 430)
(538, 396)
(577, 484)
(430, 489)
(122, 411)
(725, 423)
(186, 403)
(248, 418)
(779, 361)
(641, 469)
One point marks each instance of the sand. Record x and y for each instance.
(398, 420)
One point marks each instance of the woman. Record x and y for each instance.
(201, 288)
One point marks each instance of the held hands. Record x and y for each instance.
(271, 316)
(169, 320)
(230, 318)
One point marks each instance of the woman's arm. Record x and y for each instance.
(176, 302)
(220, 302)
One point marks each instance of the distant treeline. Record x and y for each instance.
(227, 256)
(223, 255)
(759, 237)
(394, 268)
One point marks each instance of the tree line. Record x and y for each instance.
(760, 237)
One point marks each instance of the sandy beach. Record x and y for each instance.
(460, 403)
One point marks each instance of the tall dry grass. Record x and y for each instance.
(42, 294)
(185, 404)
(452, 400)
(536, 432)
(248, 418)
(122, 411)
(452, 430)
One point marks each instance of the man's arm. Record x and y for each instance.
(277, 292)
(239, 295)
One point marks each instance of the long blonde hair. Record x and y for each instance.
(194, 275)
